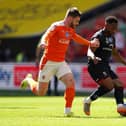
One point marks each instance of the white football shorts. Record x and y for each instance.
(53, 68)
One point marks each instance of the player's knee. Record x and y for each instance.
(70, 83)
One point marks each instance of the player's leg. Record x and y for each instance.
(45, 75)
(118, 92)
(40, 87)
(119, 96)
(65, 75)
(101, 74)
(106, 86)
(28, 81)
(69, 92)
(49, 89)
(56, 86)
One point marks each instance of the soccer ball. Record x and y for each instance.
(122, 110)
(122, 113)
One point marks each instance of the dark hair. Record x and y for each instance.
(111, 19)
(74, 12)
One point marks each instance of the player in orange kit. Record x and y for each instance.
(55, 42)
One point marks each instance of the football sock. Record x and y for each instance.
(67, 110)
(99, 92)
(49, 89)
(69, 96)
(34, 89)
(118, 94)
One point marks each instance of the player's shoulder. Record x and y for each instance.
(58, 23)
(98, 33)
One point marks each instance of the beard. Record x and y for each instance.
(72, 25)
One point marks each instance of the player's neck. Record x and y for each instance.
(66, 22)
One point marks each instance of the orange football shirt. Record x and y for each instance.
(57, 39)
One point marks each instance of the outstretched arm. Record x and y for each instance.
(118, 57)
(84, 41)
(91, 55)
(38, 52)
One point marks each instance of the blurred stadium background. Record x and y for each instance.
(23, 22)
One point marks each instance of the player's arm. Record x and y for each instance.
(39, 49)
(90, 53)
(46, 36)
(116, 55)
(84, 41)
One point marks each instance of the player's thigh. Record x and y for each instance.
(47, 72)
(117, 82)
(101, 75)
(63, 69)
(64, 74)
(107, 82)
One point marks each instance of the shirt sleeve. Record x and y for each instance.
(96, 35)
(50, 32)
(80, 39)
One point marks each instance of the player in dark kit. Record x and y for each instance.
(99, 68)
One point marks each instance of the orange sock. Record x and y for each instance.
(69, 96)
(34, 88)
(33, 85)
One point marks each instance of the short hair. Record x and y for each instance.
(73, 12)
(111, 19)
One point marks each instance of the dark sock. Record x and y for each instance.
(49, 89)
(99, 92)
(118, 94)
(56, 86)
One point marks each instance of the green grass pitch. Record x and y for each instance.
(48, 111)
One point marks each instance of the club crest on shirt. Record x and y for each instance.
(67, 34)
(109, 40)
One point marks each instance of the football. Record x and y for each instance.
(123, 112)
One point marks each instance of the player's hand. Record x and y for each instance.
(43, 46)
(96, 60)
(95, 43)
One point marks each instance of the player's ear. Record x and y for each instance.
(70, 18)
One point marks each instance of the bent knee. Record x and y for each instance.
(70, 83)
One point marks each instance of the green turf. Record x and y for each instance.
(48, 111)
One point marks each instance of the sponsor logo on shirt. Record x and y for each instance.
(67, 34)
(64, 41)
